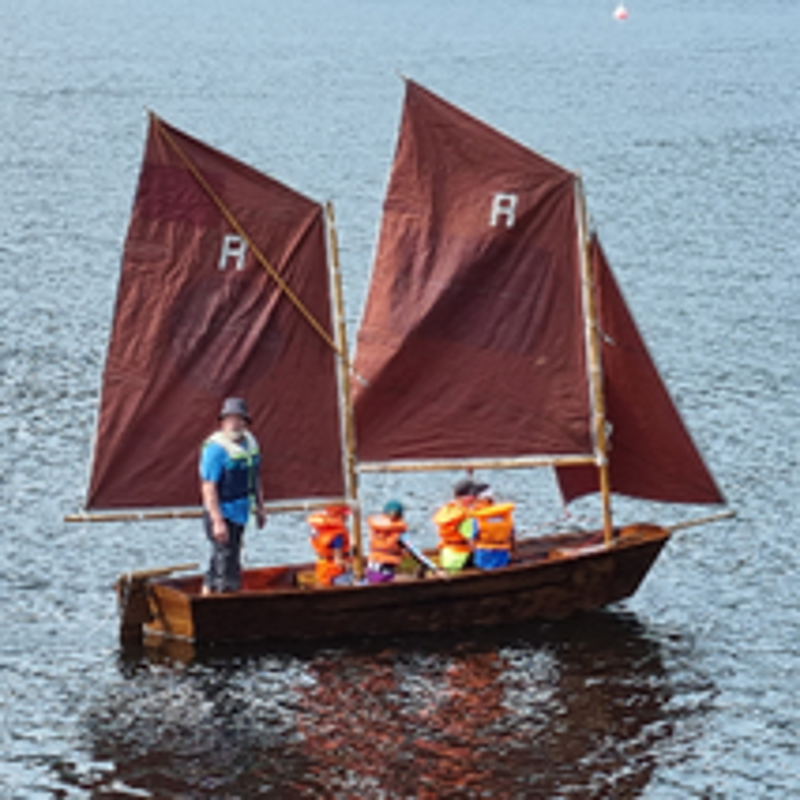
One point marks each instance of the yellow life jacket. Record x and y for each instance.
(448, 520)
(239, 476)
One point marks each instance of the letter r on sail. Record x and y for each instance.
(233, 247)
(504, 205)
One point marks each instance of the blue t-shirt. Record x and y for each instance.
(214, 460)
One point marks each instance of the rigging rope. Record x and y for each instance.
(260, 257)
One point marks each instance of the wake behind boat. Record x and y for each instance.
(494, 336)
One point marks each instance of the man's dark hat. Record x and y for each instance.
(467, 487)
(478, 488)
(234, 406)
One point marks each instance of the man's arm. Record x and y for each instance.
(261, 515)
(219, 529)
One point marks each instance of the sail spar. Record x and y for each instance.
(472, 343)
(198, 318)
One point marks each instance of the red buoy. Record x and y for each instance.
(621, 12)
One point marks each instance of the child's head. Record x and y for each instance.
(393, 509)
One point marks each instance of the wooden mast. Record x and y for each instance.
(346, 398)
(595, 363)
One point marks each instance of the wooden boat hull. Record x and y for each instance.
(555, 577)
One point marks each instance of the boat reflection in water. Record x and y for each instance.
(549, 710)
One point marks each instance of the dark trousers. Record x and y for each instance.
(224, 569)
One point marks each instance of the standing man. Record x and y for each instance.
(231, 487)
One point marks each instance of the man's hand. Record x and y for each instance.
(219, 530)
(261, 517)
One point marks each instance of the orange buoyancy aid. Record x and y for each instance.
(448, 519)
(327, 528)
(326, 571)
(495, 526)
(385, 546)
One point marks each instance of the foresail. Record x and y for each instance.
(472, 343)
(198, 318)
(651, 454)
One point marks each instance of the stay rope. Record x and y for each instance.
(234, 223)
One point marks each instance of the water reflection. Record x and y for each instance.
(561, 710)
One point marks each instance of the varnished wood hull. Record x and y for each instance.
(554, 578)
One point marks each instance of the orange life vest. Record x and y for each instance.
(448, 519)
(327, 528)
(384, 540)
(326, 572)
(495, 526)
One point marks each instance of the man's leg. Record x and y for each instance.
(224, 568)
(210, 584)
(231, 558)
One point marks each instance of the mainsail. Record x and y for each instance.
(652, 455)
(472, 342)
(199, 318)
(476, 335)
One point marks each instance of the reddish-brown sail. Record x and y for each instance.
(198, 319)
(472, 342)
(651, 454)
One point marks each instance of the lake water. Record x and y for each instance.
(685, 122)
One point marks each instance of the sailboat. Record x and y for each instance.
(494, 337)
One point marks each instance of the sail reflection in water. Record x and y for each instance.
(546, 711)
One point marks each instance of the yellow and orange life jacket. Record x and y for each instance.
(385, 546)
(448, 519)
(495, 526)
(327, 527)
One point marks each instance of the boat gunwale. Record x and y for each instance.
(646, 534)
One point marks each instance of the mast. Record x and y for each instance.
(595, 366)
(345, 393)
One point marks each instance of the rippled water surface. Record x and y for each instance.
(685, 122)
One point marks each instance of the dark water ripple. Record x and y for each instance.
(685, 124)
(551, 710)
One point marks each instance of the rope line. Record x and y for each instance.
(260, 257)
